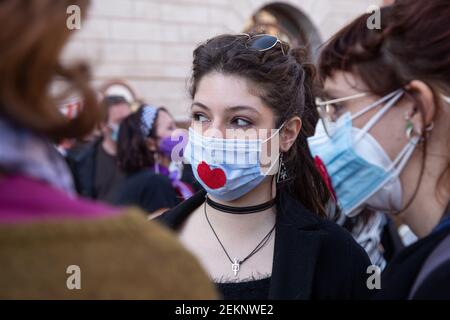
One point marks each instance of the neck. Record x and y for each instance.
(247, 223)
(109, 146)
(431, 199)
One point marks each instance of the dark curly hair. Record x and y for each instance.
(133, 153)
(285, 83)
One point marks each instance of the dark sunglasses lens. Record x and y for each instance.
(263, 43)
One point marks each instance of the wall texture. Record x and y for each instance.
(149, 43)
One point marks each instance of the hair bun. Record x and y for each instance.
(303, 58)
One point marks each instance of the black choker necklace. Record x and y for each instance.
(240, 210)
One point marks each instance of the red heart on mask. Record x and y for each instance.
(214, 179)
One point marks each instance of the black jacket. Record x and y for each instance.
(313, 258)
(400, 275)
(82, 162)
(147, 190)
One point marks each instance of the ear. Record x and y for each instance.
(426, 97)
(289, 133)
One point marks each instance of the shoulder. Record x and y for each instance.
(145, 182)
(343, 264)
(177, 215)
(148, 178)
(434, 276)
(101, 247)
(341, 249)
(436, 284)
(336, 242)
(341, 260)
(83, 153)
(38, 200)
(334, 238)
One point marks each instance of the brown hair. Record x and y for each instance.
(284, 83)
(413, 43)
(133, 153)
(32, 36)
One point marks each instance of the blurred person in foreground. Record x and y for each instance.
(383, 137)
(44, 227)
(94, 166)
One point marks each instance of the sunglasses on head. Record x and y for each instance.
(263, 42)
(260, 42)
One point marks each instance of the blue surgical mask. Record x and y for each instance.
(227, 168)
(114, 132)
(361, 172)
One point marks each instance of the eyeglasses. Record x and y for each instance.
(329, 111)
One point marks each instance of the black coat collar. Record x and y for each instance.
(297, 244)
(401, 273)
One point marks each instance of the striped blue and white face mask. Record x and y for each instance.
(228, 168)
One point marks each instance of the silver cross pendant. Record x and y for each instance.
(235, 267)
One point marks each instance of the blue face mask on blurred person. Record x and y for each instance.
(114, 132)
(361, 172)
(227, 168)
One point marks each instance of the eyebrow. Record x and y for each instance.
(229, 109)
(199, 104)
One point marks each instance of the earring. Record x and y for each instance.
(409, 126)
(428, 130)
(282, 171)
(430, 127)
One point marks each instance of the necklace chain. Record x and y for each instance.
(236, 263)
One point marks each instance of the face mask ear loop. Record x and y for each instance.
(378, 116)
(264, 141)
(275, 133)
(273, 164)
(402, 159)
(373, 105)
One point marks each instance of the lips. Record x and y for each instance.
(214, 178)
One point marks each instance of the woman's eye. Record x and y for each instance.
(239, 122)
(337, 108)
(199, 117)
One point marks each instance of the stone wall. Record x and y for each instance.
(149, 43)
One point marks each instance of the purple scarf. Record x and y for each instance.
(25, 153)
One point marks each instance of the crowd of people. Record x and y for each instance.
(359, 164)
(129, 163)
